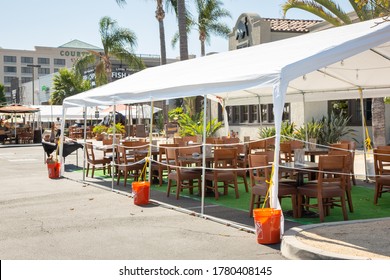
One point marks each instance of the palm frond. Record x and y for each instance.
(313, 8)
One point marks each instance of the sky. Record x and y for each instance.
(52, 23)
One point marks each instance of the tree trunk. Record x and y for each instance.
(378, 122)
(181, 12)
(160, 15)
(202, 48)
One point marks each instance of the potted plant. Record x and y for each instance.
(313, 131)
(119, 129)
(98, 131)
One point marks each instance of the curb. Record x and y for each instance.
(292, 248)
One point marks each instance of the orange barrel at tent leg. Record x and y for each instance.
(141, 192)
(267, 224)
(54, 170)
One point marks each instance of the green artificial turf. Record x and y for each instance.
(362, 198)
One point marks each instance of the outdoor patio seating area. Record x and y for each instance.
(177, 170)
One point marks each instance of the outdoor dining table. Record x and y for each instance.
(315, 152)
(300, 168)
(68, 148)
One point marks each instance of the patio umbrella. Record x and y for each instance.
(17, 109)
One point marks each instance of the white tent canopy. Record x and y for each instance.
(136, 111)
(330, 64)
(49, 113)
(323, 65)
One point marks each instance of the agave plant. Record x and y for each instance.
(334, 128)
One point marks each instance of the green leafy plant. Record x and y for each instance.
(119, 128)
(99, 129)
(334, 128)
(190, 127)
(175, 114)
(266, 132)
(287, 129)
(313, 129)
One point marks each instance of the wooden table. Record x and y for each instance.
(315, 152)
(300, 168)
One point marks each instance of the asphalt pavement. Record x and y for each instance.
(67, 218)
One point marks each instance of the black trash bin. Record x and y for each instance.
(37, 136)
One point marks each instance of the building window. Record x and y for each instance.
(9, 58)
(8, 79)
(25, 59)
(236, 114)
(267, 114)
(286, 112)
(43, 60)
(43, 71)
(26, 70)
(250, 114)
(351, 108)
(56, 70)
(244, 114)
(253, 113)
(9, 69)
(59, 61)
(26, 79)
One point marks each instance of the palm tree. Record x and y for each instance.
(67, 83)
(160, 15)
(117, 42)
(331, 12)
(182, 20)
(3, 100)
(209, 14)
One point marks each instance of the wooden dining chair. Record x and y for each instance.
(260, 172)
(230, 140)
(329, 190)
(343, 149)
(352, 149)
(224, 171)
(129, 163)
(257, 146)
(382, 172)
(179, 174)
(242, 164)
(160, 168)
(95, 162)
(286, 155)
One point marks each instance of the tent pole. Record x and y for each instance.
(204, 155)
(61, 143)
(363, 132)
(304, 121)
(85, 136)
(150, 142)
(260, 114)
(113, 147)
(225, 118)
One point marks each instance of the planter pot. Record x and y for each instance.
(99, 137)
(312, 143)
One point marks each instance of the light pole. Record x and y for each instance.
(33, 66)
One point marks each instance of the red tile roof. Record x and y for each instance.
(291, 25)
